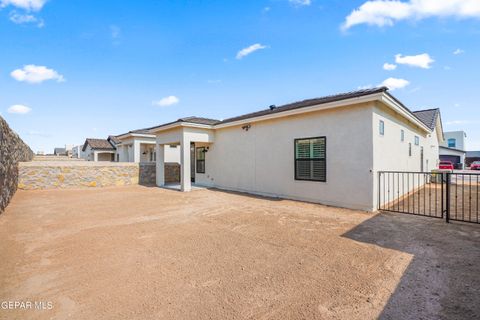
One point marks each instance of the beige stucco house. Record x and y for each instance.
(98, 150)
(326, 150)
(139, 146)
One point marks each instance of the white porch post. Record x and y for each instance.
(136, 151)
(95, 156)
(185, 176)
(160, 164)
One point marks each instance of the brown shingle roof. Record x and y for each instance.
(307, 103)
(98, 144)
(195, 120)
(113, 139)
(428, 117)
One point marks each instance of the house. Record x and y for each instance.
(60, 152)
(471, 156)
(139, 146)
(327, 150)
(77, 152)
(453, 149)
(98, 150)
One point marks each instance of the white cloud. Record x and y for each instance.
(458, 51)
(29, 5)
(423, 60)
(246, 51)
(299, 3)
(36, 74)
(387, 12)
(395, 83)
(18, 18)
(389, 66)
(19, 109)
(115, 31)
(461, 122)
(167, 101)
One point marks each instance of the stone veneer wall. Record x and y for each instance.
(63, 174)
(12, 151)
(172, 172)
(147, 171)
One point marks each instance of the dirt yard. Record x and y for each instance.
(149, 253)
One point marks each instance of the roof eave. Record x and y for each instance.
(313, 108)
(180, 124)
(131, 134)
(393, 103)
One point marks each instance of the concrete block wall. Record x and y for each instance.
(12, 151)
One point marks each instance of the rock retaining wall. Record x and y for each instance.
(12, 151)
(77, 174)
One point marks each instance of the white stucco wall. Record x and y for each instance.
(392, 154)
(88, 154)
(133, 148)
(261, 160)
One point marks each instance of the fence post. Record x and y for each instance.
(378, 190)
(442, 181)
(447, 212)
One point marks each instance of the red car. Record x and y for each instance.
(475, 165)
(445, 165)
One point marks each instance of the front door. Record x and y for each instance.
(192, 161)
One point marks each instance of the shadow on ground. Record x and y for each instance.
(443, 279)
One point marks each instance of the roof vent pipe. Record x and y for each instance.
(273, 107)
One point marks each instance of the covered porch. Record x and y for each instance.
(194, 143)
(136, 151)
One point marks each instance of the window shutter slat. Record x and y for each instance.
(310, 159)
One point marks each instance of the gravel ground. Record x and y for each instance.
(149, 253)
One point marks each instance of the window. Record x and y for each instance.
(381, 127)
(201, 159)
(409, 149)
(402, 135)
(452, 143)
(417, 140)
(311, 159)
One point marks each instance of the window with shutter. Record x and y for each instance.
(311, 159)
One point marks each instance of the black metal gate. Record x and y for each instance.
(453, 196)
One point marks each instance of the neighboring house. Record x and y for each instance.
(471, 156)
(453, 149)
(98, 150)
(77, 152)
(60, 152)
(139, 146)
(327, 150)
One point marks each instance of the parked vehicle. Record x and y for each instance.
(475, 165)
(445, 165)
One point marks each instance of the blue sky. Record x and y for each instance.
(76, 69)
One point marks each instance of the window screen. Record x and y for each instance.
(310, 159)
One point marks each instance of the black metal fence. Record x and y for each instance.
(453, 196)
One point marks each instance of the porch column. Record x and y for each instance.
(160, 164)
(95, 156)
(136, 151)
(185, 175)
